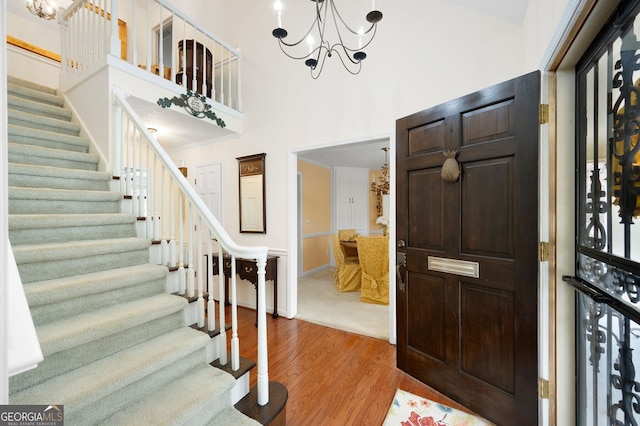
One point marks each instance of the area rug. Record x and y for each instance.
(408, 409)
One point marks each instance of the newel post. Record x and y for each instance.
(114, 41)
(263, 361)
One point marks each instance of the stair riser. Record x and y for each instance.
(28, 181)
(22, 206)
(91, 303)
(62, 362)
(48, 270)
(71, 233)
(53, 162)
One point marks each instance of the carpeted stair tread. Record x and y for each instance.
(34, 107)
(34, 94)
(61, 289)
(24, 200)
(100, 379)
(55, 177)
(60, 298)
(82, 329)
(11, 79)
(231, 416)
(60, 251)
(45, 138)
(38, 262)
(50, 228)
(194, 408)
(62, 362)
(42, 156)
(25, 119)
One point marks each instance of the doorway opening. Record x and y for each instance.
(315, 223)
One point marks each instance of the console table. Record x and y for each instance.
(247, 269)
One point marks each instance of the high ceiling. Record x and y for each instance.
(362, 154)
(509, 10)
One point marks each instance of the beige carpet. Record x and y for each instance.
(320, 303)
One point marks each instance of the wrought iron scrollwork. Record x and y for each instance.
(595, 235)
(596, 337)
(624, 382)
(624, 145)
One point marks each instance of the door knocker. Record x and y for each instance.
(450, 171)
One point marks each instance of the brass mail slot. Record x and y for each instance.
(454, 266)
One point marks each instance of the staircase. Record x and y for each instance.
(115, 344)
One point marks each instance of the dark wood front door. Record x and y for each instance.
(467, 301)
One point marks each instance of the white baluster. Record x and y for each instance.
(172, 226)
(182, 284)
(211, 304)
(235, 342)
(222, 320)
(191, 273)
(200, 276)
(163, 219)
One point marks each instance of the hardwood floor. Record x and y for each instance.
(333, 377)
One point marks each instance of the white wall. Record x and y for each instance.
(425, 53)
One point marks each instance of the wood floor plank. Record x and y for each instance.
(333, 377)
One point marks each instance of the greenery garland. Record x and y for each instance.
(195, 104)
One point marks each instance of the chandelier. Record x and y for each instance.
(42, 9)
(381, 186)
(350, 51)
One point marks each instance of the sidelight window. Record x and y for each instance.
(607, 273)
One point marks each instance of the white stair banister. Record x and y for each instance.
(169, 175)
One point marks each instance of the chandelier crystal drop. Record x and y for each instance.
(349, 44)
(42, 9)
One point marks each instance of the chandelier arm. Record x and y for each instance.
(319, 69)
(374, 27)
(335, 12)
(339, 47)
(345, 65)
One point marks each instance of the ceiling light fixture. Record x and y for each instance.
(350, 51)
(381, 186)
(42, 9)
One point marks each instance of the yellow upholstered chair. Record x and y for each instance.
(347, 275)
(373, 253)
(347, 234)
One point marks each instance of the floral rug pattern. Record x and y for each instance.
(410, 410)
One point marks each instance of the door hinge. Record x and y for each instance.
(543, 113)
(543, 251)
(543, 389)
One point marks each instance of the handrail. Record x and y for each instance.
(152, 188)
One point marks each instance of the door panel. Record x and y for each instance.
(487, 214)
(472, 338)
(430, 321)
(425, 224)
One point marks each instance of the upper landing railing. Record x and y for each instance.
(154, 36)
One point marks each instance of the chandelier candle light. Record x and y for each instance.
(350, 51)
